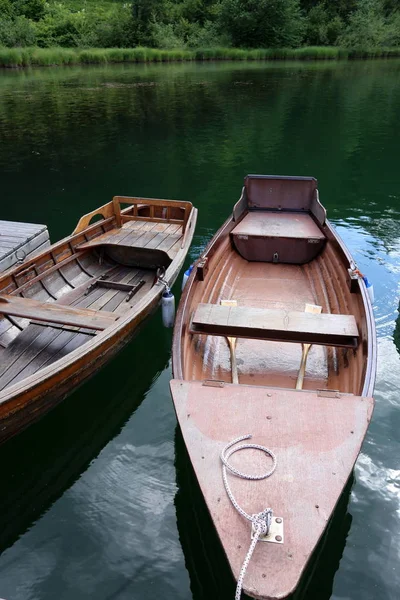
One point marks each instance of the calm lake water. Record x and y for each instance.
(97, 500)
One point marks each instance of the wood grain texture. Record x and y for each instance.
(316, 441)
(55, 313)
(278, 224)
(269, 324)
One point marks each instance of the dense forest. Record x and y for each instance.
(190, 24)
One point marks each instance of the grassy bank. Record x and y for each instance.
(26, 57)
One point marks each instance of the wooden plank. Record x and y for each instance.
(278, 325)
(56, 313)
(126, 236)
(163, 235)
(26, 347)
(278, 224)
(65, 344)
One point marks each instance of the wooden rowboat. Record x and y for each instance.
(69, 309)
(277, 303)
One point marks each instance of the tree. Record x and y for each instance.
(262, 23)
(31, 9)
(367, 27)
(145, 13)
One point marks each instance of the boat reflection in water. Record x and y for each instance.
(209, 572)
(45, 460)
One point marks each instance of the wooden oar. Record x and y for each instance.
(310, 308)
(232, 345)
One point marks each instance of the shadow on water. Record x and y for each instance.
(209, 572)
(42, 462)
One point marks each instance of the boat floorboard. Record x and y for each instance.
(41, 344)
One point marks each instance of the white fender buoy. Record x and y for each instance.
(168, 308)
(370, 289)
(186, 275)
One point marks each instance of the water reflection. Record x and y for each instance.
(55, 457)
(88, 508)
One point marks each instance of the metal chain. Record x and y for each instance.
(261, 521)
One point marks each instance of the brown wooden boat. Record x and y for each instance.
(277, 304)
(69, 309)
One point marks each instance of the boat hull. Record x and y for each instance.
(315, 432)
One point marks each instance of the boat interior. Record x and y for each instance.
(276, 278)
(58, 300)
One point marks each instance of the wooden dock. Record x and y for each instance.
(19, 240)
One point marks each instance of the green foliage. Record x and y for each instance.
(6, 9)
(262, 23)
(164, 36)
(31, 9)
(216, 28)
(368, 27)
(321, 27)
(145, 13)
(16, 32)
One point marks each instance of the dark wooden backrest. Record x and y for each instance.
(280, 193)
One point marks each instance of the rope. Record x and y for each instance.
(260, 521)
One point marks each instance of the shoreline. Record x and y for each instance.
(14, 58)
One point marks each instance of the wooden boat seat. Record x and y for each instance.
(146, 244)
(276, 236)
(275, 325)
(51, 312)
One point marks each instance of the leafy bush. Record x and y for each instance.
(321, 27)
(207, 36)
(368, 27)
(262, 23)
(31, 9)
(164, 36)
(17, 32)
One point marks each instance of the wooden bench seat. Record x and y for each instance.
(146, 244)
(275, 325)
(277, 236)
(51, 312)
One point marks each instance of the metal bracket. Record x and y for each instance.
(275, 535)
(212, 383)
(328, 393)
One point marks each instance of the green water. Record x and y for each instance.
(98, 500)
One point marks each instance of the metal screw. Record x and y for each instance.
(188, 415)
(239, 547)
(317, 506)
(278, 520)
(269, 418)
(351, 431)
(264, 575)
(278, 538)
(269, 395)
(219, 500)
